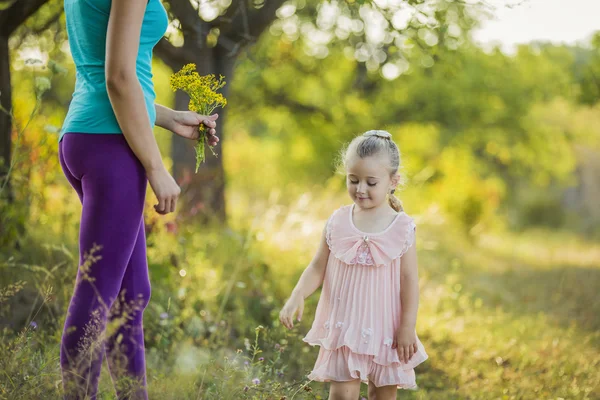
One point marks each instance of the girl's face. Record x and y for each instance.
(368, 180)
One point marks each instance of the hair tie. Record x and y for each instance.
(379, 134)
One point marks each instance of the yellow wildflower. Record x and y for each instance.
(203, 99)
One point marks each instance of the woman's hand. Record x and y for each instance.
(165, 188)
(405, 343)
(294, 304)
(185, 124)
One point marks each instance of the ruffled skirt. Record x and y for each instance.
(342, 365)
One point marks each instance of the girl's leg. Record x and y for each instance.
(372, 391)
(111, 183)
(344, 390)
(383, 392)
(125, 346)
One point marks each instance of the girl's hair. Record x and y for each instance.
(372, 143)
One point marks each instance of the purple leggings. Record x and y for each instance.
(112, 284)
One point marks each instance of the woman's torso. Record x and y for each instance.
(90, 110)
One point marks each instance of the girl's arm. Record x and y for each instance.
(313, 275)
(406, 338)
(311, 280)
(127, 97)
(409, 295)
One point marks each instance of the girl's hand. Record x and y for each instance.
(405, 343)
(294, 304)
(185, 124)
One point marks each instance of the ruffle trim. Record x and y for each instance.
(411, 227)
(352, 247)
(343, 364)
(390, 359)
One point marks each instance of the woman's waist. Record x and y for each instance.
(101, 96)
(97, 105)
(93, 113)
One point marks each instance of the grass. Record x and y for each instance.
(515, 317)
(512, 316)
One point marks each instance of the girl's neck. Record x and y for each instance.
(373, 221)
(377, 211)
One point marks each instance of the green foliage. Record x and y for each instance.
(589, 77)
(488, 141)
(496, 117)
(510, 308)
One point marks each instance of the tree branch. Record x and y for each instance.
(254, 20)
(174, 57)
(48, 24)
(16, 14)
(278, 98)
(39, 30)
(262, 18)
(192, 26)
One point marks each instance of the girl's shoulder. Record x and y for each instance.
(349, 244)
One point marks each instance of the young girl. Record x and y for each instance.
(364, 323)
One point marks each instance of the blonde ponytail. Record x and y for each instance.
(395, 202)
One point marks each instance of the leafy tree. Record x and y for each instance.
(13, 14)
(590, 79)
(15, 24)
(378, 34)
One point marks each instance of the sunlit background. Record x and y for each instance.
(496, 108)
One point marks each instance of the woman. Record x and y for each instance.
(108, 152)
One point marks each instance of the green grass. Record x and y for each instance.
(507, 317)
(513, 317)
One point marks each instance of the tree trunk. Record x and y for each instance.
(9, 227)
(203, 192)
(10, 19)
(5, 119)
(238, 27)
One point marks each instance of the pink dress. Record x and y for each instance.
(359, 309)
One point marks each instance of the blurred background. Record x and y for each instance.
(495, 107)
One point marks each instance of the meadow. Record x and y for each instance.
(500, 155)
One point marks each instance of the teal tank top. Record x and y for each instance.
(90, 110)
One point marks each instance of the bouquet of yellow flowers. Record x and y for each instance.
(203, 100)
